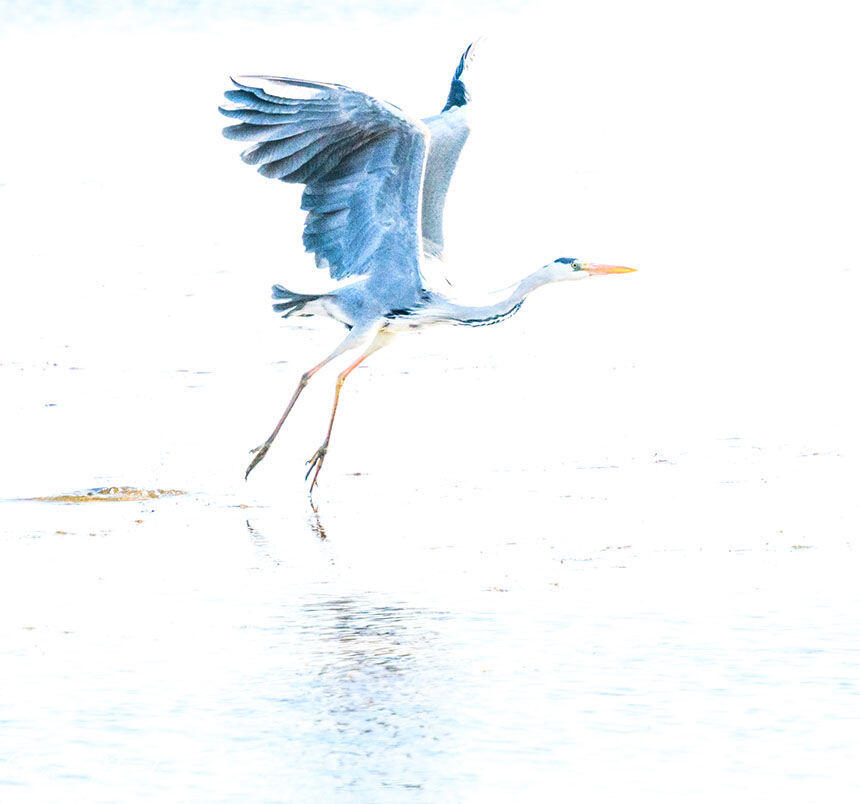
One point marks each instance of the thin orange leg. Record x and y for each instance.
(350, 342)
(260, 452)
(316, 461)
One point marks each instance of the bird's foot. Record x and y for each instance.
(259, 453)
(316, 463)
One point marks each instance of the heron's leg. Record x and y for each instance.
(382, 338)
(350, 342)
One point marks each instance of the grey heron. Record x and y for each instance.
(375, 185)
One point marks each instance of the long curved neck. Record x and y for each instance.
(485, 315)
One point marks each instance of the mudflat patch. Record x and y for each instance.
(110, 494)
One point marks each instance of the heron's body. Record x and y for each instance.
(356, 306)
(375, 187)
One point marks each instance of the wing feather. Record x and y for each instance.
(269, 152)
(449, 131)
(361, 161)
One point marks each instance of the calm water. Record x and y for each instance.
(220, 653)
(606, 549)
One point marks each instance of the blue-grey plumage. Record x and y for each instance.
(375, 181)
(449, 131)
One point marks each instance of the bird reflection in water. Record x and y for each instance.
(364, 688)
(261, 543)
(316, 523)
(373, 685)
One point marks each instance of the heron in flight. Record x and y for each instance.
(375, 184)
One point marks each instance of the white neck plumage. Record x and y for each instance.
(481, 316)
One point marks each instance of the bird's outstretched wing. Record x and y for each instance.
(449, 131)
(361, 161)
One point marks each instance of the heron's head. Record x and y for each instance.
(572, 268)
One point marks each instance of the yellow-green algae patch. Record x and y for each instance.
(111, 494)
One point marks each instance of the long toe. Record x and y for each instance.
(259, 453)
(314, 483)
(315, 464)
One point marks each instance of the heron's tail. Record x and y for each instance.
(459, 93)
(291, 302)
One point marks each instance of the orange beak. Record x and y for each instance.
(597, 269)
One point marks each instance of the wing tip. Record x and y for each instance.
(458, 95)
(468, 55)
